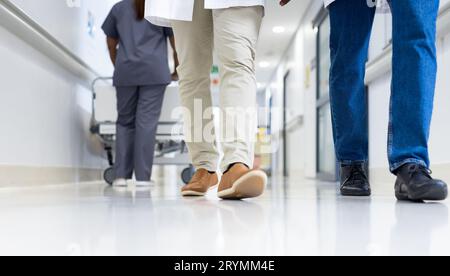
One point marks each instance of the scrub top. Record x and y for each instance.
(142, 56)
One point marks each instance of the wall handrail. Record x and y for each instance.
(16, 21)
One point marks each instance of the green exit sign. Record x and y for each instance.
(215, 69)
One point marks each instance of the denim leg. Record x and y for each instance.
(351, 25)
(413, 81)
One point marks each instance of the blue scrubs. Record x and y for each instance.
(142, 54)
(141, 76)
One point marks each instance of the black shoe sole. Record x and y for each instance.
(356, 193)
(429, 194)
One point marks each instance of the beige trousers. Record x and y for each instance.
(232, 33)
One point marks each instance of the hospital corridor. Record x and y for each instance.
(115, 129)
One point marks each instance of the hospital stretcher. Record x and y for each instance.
(170, 147)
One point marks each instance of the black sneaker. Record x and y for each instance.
(414, 183)
(354, 180)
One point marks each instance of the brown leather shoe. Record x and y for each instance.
(200, 184)
(240, 182)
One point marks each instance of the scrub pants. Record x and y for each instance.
(139, 109)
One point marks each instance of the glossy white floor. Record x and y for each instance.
(297, 217)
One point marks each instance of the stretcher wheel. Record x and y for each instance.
(109, 175)
(187, 174)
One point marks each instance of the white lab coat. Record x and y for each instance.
(161, 12)
(328, 2)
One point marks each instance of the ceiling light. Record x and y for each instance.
(264, 64)
(261, 85)
(279, 29)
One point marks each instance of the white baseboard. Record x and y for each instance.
(297, 174)
(23, 176)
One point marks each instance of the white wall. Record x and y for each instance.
(440, 136)
(69, 25)
(46, 110)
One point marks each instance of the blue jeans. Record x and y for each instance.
(413, 79)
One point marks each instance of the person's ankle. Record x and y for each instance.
(205, 169)
(234, 164)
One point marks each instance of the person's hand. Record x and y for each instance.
(175, 76)
(284, 2)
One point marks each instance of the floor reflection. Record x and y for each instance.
(132, 192)
(294, 217)
(414, 227)
(353, 230)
